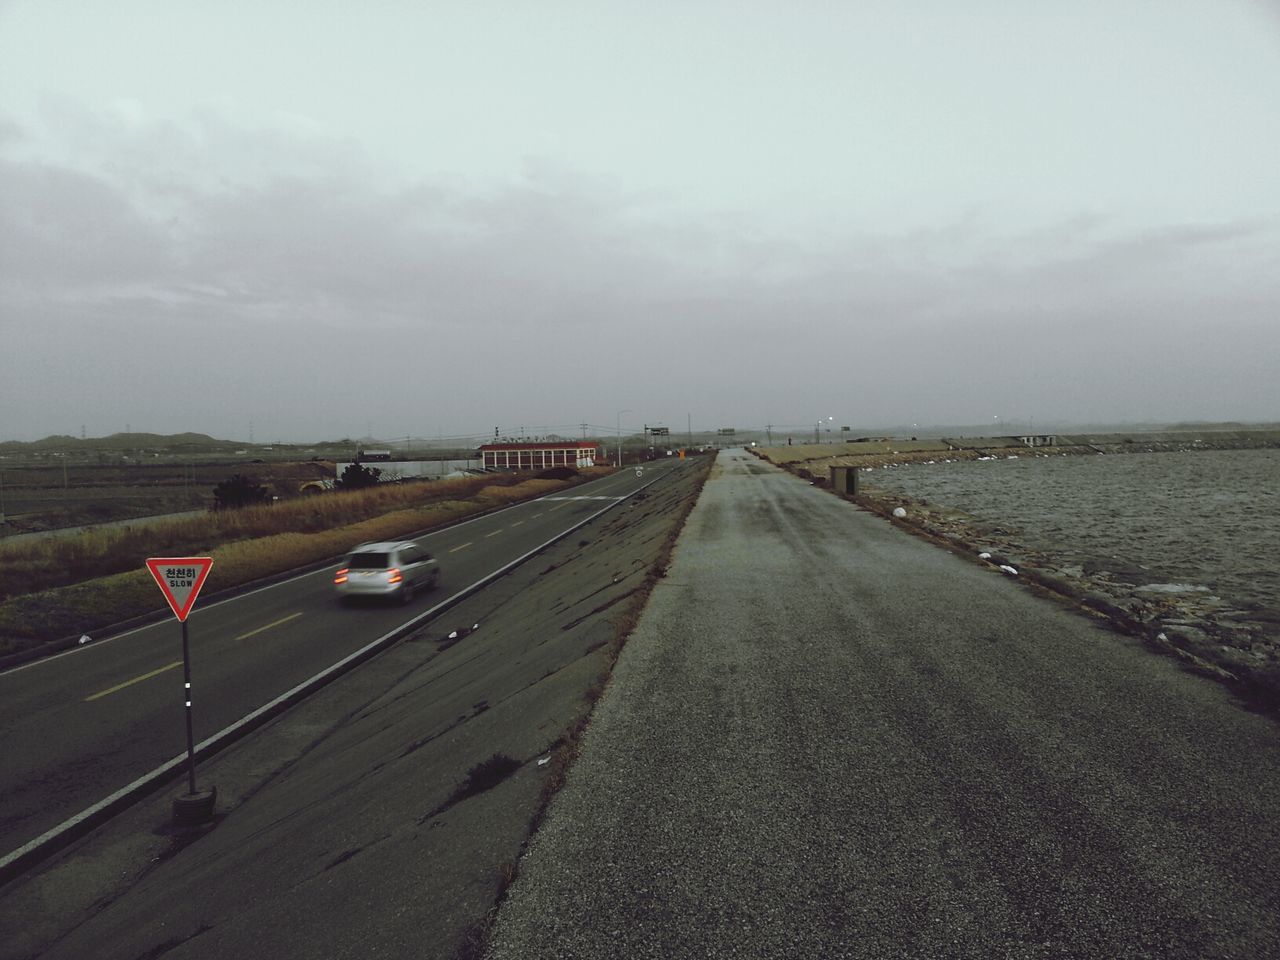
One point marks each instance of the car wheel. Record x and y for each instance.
(406, 592)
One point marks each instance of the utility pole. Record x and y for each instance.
(768, 430)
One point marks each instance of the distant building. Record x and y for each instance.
(539, 455)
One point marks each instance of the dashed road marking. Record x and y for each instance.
(579, 498)
(253, 633)
(130, 683)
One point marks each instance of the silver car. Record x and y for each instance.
(394, 570)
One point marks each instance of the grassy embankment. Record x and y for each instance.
(64, 585)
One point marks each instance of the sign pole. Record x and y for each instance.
(180, 580)
(191, 740)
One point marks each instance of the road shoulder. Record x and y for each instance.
(361, 821)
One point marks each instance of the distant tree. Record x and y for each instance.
(240, 491)
(357, 477)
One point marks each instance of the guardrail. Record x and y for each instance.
(24, 858)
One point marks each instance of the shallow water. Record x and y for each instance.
(1205, 518)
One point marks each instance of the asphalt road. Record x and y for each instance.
(76, 727)
(827, 738)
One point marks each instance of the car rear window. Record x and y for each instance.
(368, 561)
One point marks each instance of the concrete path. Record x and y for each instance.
(830, 739)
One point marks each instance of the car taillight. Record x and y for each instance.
(393, 575)
(341, 575)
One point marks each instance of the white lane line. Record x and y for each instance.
(326, 572)
(462, 547)
(582, 498)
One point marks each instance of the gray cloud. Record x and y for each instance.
(299, 289)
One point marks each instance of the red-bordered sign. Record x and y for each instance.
(180, 579)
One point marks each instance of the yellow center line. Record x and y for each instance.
(254, 633)
(463, 547)
(130, 683)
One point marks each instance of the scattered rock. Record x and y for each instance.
(1187, 633)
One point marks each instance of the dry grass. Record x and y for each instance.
(63, 586)
(34, 566)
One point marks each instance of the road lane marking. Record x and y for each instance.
(130, 683)
(463, 547)
(326, 573)
(517, 523)
(254, 633)
(581, 498)
(494, 534)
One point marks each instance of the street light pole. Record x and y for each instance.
(619, 429)
(817, 429)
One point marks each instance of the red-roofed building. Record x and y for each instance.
(539, 455)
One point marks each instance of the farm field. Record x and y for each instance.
(48, 498)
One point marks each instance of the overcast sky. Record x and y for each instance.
(419, 218)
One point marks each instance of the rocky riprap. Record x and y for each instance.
(1236, 643)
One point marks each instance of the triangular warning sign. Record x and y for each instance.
(180, 579)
